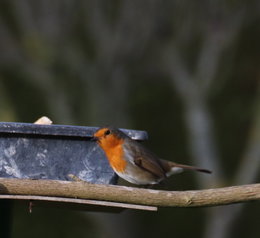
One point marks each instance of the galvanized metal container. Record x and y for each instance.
(55, 151)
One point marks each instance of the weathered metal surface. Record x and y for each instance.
(54, 151)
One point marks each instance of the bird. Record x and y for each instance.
(134, 162)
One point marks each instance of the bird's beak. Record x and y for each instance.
(94, 138)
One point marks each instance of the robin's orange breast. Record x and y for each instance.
(113, 148)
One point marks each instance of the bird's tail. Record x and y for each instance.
(183, 166)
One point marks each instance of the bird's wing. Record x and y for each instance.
(146, 160)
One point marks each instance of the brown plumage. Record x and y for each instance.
(133, 161)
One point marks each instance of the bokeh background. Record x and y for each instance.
(187, 72)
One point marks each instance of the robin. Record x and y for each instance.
(134, 162)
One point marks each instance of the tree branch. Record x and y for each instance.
(80, 203)
(113, 193)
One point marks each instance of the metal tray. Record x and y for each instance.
(55, 151)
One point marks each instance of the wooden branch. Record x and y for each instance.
(81, 204)
(114, 193)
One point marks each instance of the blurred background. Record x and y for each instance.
(188, 73)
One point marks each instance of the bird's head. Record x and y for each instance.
(108, 137)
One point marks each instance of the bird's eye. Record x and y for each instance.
(107, 132)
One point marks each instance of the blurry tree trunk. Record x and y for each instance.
(194, 89)
(197, 117)
(223, 218)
